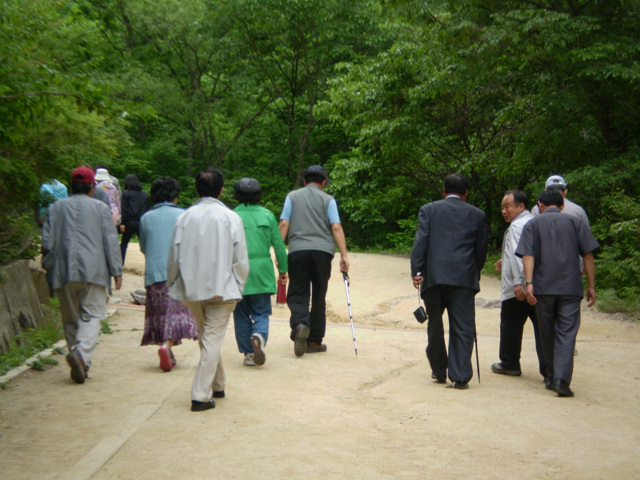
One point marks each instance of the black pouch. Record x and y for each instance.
(420, 314)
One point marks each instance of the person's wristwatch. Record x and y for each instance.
(528, 283)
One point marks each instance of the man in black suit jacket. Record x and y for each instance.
(448, 254)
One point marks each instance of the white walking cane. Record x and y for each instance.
(353, 330)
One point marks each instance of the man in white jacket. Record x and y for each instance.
(207, 269)
(514, 309)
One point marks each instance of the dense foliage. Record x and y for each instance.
(389, 95)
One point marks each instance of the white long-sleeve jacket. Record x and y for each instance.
(208, 254)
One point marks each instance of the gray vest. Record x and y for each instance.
(309, 228)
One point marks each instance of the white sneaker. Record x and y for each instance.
(257, 342)
(248, 360)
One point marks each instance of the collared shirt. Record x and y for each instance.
(80, 243)
(555, 240)
(208, 254)
(156, 228)
(512, 267)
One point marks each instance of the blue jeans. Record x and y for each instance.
(250, 316)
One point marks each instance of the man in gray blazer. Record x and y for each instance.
(80, 254)
(448, 254)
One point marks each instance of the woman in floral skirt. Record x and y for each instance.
(166, 320)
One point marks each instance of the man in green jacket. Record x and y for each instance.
(251, 315)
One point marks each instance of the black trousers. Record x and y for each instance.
(513, 316)
(559, 318)
(129, 232)
(461, 309)
(309, 273)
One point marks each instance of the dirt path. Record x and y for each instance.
(333, 415)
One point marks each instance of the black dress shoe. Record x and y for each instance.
(461, 385)
(300, 340)
(561, 388)
(499, 369)
(197, 406)
(218, 394)
(438, 379)
(548, 383)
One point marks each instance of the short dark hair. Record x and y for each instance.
(209, 183)
(131, 182)
(456, 183)
(551, 198)
(164, 189)
(84, 188)
(556, 188)
(519, 197)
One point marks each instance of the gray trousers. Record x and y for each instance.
(212, 317)
(83, 307)
(559, 321)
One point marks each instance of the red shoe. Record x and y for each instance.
(165, 360)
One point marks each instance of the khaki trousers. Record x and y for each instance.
(212, 317)
(83, 307)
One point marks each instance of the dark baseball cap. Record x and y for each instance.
(316, 170)
(247, 185)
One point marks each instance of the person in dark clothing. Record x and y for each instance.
(134, 205)
(550, 246)
(449, 251)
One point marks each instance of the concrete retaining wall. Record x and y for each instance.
(20, 307)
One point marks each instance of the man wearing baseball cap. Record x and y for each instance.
(310, 222)
(251, 314)
(80, 253)
(555, 183)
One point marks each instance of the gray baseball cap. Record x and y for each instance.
(556, 180)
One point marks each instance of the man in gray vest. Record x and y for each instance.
(310, 222)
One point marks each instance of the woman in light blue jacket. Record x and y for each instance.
(166, 320)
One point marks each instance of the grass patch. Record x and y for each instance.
(489, 269)
(57, 350)
(28, 343)
(41, 363)
(608, 301)
(106, 327)
(34, 340)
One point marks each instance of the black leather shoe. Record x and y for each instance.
(548, 383)
(438, 379)
(498, 368)
(197, 406)
(461, 385)
(561, 388)
(218, 394)
(300, 340)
